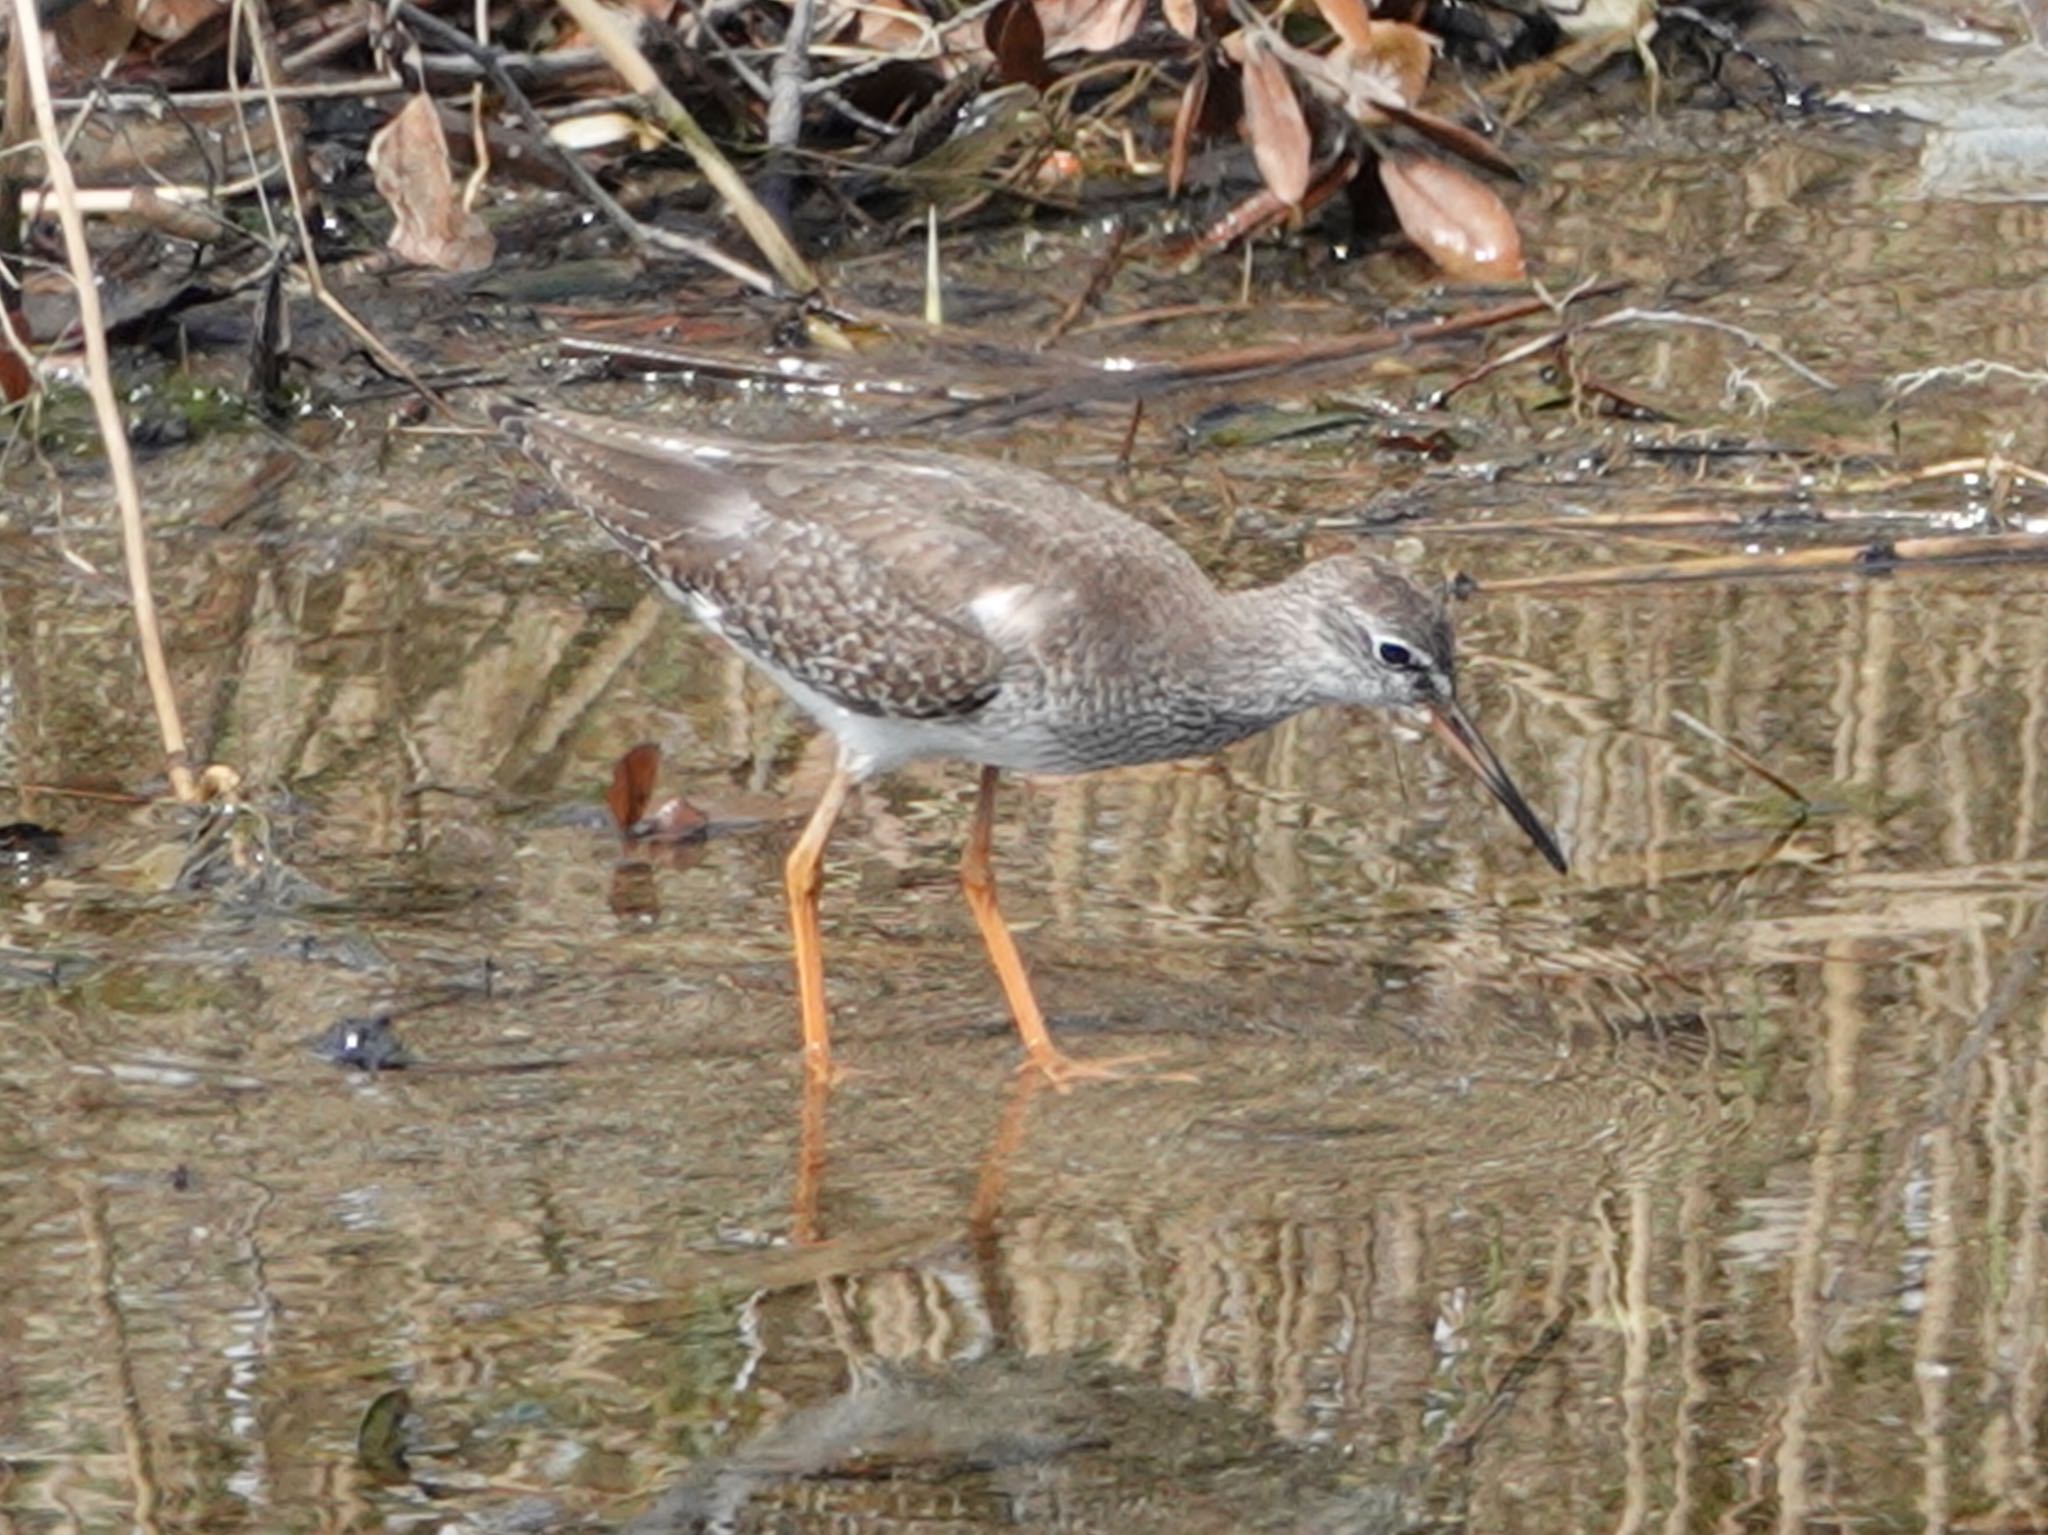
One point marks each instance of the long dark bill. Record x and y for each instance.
(1458, 732)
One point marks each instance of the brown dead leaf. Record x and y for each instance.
(632, 786)
(1087, 26)
(91, 33)
(673, 820)
(1273, 122)
(1017, 42)
(1456, 221)
(1183, 17)
(16, 380)
(409, 159)
(1351, 20)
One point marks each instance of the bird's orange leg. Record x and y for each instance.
(803, 877)
(978, 882)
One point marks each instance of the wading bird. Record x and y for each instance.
(924, 605)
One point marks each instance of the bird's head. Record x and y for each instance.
(1392, 646)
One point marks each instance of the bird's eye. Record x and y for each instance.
(1395, 654)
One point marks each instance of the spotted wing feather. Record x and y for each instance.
(808, 598)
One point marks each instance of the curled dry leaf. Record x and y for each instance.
(1183, 17)
(1382, 79)
(1351, 20)
(1603, 18)
(601, 130)
(169, 20)
(1088, 26)
(220, 784)
(1273, 121)
(1394, 61)
(887, 26)
(1456, 221)
(409, 159)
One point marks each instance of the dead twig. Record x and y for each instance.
(1973, 370)
(1464, 1443)
(792, 69)
(1565, 334)
(1098, 283)
(786, 109)
(750, 77)
(1877, 556)
(116, 99)
(1747, 337)
(181, 212)
(113, 430)
(14, 130)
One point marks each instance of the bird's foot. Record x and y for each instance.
(1063, 1071)
(830, 1073)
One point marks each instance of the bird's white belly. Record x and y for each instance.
(875, 744)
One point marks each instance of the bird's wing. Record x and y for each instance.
(844, 603)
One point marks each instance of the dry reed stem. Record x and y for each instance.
(14, 129)
(106, 409)
(624, 56)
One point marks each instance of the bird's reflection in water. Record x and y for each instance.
(996, 1438)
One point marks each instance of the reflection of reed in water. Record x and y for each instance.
(1819, 1297)
(1323, 1331)
(1387, 1334)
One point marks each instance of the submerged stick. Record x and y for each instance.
(1238, 364)
(1748, 759)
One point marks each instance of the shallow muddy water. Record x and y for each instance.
(1704, 1189)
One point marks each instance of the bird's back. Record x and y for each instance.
(894, 583)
